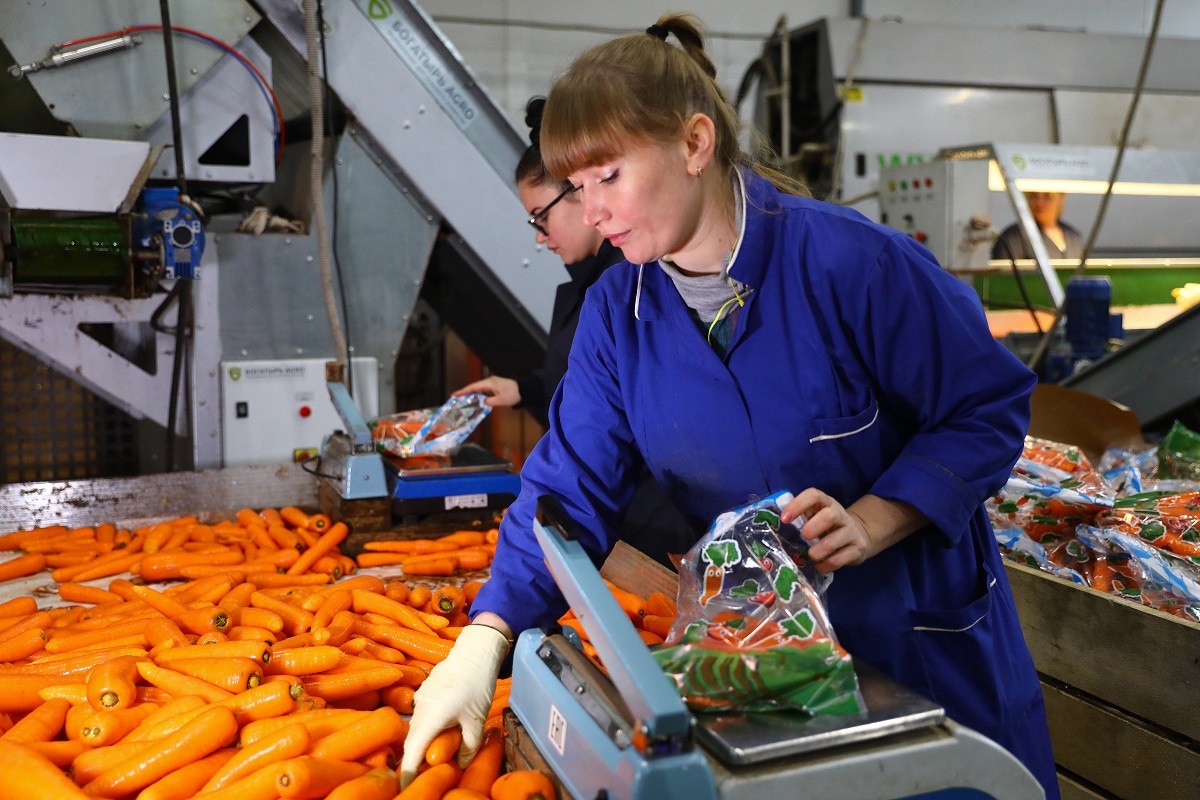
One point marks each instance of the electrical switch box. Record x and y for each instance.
(945, 205)
(278, 411)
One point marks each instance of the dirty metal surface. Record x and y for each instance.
(217, 492)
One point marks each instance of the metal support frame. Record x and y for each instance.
(47, 327)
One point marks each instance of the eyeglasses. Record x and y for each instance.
(538, 220)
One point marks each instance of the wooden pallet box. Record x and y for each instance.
(1122, 689)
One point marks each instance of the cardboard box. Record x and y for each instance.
(1120, 680)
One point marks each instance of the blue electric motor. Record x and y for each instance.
(180, 229)
(1090, 326)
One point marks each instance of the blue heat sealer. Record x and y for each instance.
(628, 735)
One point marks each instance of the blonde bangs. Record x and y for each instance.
(582, 126)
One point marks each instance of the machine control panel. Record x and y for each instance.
(277, 411)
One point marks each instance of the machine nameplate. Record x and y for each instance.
(557, 734)
(466, 501)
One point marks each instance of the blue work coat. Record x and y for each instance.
(857, 366)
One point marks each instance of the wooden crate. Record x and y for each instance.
(1122, 689)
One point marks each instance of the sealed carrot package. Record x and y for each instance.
(752, 633)
(430, 431)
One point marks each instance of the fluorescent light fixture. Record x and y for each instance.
(1085, 170)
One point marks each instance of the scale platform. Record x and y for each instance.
(471, 478)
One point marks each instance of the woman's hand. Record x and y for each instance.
(501, 392)
(844, 537)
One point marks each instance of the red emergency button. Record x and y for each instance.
(920, 236)
(305, 411)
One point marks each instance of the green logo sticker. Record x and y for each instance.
(1019, 161)
(379, 9)
(235, 373)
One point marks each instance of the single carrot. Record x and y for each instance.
(419, 596)
(211, 730)
(435, 566)
(332, 686)
(112, 684)
(304, 660)
(380, 783)
(202, 620)
(444, 746)
(23, 645)
(485, 767)
(38, 619)
(178, 684)
(162, 630)
(186, 782)
(295, 620)
(19, 693)
(524, 784)
(380, 727)
(229, 673)
(166, 711)
(30, 776)
(166, 565)
(108, 727)
(330, 539)
(101, 567)
(432, 783)
(414, 644)
(41, 724)
(448, 600)
(334, 602)
(306, 776)
(81, 593)
(660, 605)
(399, 697)
(658, 625)
(60, 754)
(253, 650)
(320, 722)
(379, 604)
(288, 742)
(263, 701)
(18, 607)
(470, 589)
(21, 566)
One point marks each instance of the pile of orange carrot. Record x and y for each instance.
(446, 555)
(270, 541)
(652, 616)
(235, 682)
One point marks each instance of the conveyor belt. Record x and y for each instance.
(1155, 376)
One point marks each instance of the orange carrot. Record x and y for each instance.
(379, 604)
(306, 776)
(443, 747)
(41, 724)
(60, 754)
(329, 540)
(23, 645)
(253, 650)
(229, 673)
(202, 620)
(187, 781)
(332, 686)
(30, 776)
(108, 727)
(448, 600)
(21, 566)
(80, 593)
(378, 728)
(379, 784)
(304, 660)
(111, 685)
(432, 783)
(211, 730)
(524, 784)
(295, 620)
(288, 742)
(412, 643)
(484, 769)
(419, 596)
(179, 685)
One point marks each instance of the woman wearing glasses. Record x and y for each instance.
(651, 523)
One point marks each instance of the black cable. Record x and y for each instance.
(1035, 360)
(333, 234)
(156, 317)
(1012, 260)
(177, 368)
(164, 11)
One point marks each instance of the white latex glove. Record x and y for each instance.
(459, 692)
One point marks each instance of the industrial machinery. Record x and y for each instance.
(415, 148)
(629, 734)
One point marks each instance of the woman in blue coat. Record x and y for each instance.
(761, 341)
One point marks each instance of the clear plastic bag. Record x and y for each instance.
(752, 633)
(431, 431)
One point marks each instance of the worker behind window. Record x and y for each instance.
(651, 523)
(760, 341)
(1059, 238)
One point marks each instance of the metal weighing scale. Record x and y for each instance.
(469, 478)
(630, 736)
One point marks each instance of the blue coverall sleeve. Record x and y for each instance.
(923, 335)
(586, 459)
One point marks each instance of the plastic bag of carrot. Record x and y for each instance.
(752, 632)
